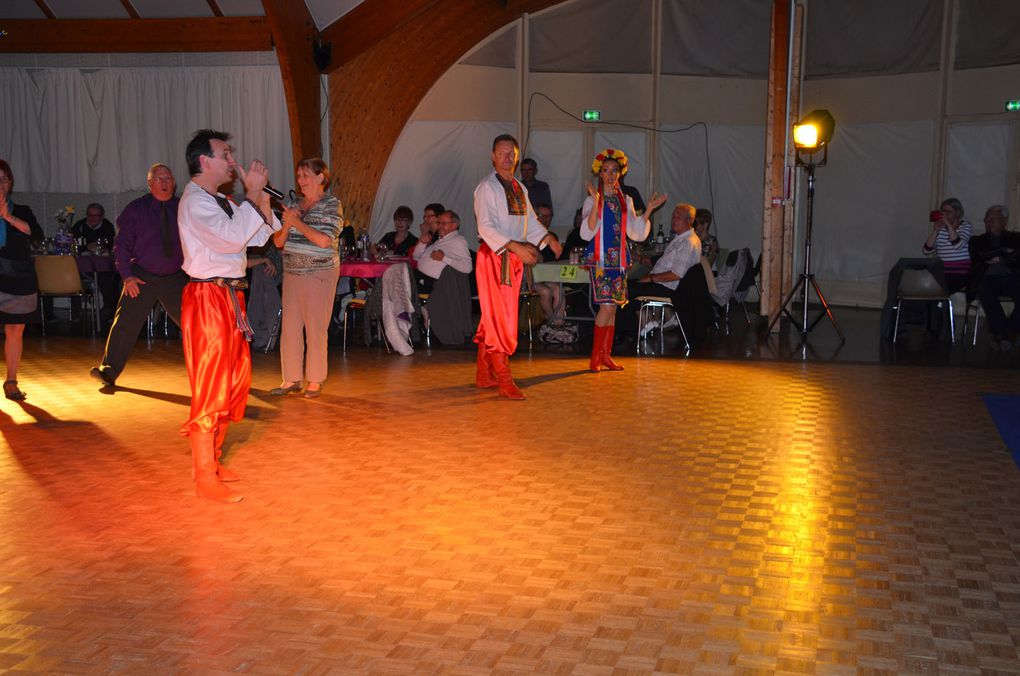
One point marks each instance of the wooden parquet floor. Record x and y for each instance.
(682, 516)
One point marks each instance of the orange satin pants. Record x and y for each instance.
(216, 355)
(497, 329)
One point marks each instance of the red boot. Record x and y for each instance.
(507, 388)
(222, 472)
(484, 375)
(595, 365)
(203, 457)
(607, 348)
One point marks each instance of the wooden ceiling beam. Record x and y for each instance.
(367, 24)
(196, 34)
(296, 38)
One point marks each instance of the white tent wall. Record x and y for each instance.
(871, 201)
(559, 154)
(977, 165)
(436, 161)
(87, 127)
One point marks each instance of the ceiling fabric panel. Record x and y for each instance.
(593, 36)
(987, 33)
(706, 37)
(500, 51)
(872, 37)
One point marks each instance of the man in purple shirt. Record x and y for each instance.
(148, 253)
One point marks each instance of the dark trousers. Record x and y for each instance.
(132, 313)
(108, 290)
(423, 283)
(992, 287)
(626, 320)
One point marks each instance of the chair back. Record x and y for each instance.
(709, 277)
(921, 285)
(58, 275)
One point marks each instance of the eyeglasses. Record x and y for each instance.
(5, 179)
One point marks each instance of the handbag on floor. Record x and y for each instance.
(558, 334)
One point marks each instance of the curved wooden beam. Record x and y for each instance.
(372, 96)
(367, 24)
(294, 35)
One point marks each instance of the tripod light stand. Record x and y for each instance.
(811, 134)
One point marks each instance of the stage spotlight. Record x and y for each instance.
(814, 131)
(810, 135)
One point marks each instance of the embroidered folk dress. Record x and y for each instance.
(607, 250)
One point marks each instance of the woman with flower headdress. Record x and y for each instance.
(608, 220)
(18, 283)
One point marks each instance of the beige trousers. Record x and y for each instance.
(304, 334)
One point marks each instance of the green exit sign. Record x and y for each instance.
(1013, 106)
(592, 115)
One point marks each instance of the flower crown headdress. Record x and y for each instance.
(610, 154)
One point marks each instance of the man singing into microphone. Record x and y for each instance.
(214, 327)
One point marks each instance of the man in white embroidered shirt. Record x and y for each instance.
(511, 238)
(214, 327)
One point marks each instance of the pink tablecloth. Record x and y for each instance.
(370, 269)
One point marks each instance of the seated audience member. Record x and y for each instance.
(347, 237)
(538, 191)
(444, 268)
(99, 233)
(450, 249)
(948, 240)
(635, 195)
(264, 302)
(550, 294)
(574, 239)
(400, 241)
(682, 254)
(430, 222)
(94, 227)
(996, 272)
(709, 244)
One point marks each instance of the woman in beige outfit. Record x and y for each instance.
(311, 267)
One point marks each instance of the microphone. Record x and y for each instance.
(270, 190)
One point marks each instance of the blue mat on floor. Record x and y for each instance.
(1005, 411)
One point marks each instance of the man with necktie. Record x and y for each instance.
(147, 251)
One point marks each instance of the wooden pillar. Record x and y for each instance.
(294, 36)
(783, 104)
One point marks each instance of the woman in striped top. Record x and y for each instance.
(311, 267)
(948, 240)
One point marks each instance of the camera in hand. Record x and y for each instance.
(935, 216)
